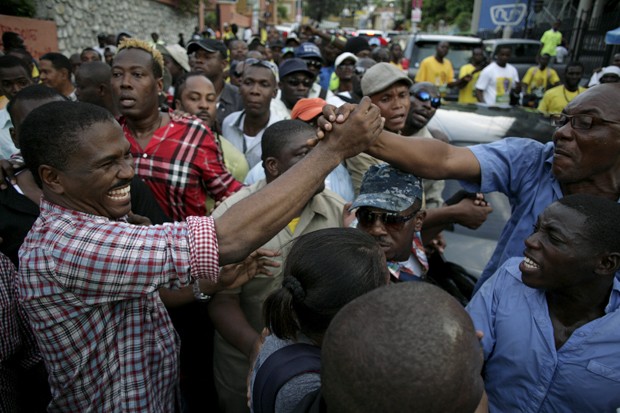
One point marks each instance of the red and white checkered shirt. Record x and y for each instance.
(90, 288)
(182, 163)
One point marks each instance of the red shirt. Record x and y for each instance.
(182, 164)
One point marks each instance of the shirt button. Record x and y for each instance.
(144, 155)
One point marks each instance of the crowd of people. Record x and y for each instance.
(253, 225)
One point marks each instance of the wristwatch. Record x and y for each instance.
(199, 295)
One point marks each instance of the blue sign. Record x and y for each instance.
(502, 13)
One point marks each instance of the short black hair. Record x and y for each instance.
(406, 347)
(90, 49)
(11, 40)
(602, 219)
(317, 283)
(574, 63)
(59, 61)
(9, 62)
(276, 136)
(179, 86)
(34, 92)
(50, 137)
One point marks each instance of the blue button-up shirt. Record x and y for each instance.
(523, 370)
(521, 169)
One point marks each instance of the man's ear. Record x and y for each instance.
(609, 263)
(271, 166)
(51, 179)
(160, 85)
(419, 219)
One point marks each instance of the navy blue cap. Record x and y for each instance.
(294, 65)
(308, 50)
(388, 188)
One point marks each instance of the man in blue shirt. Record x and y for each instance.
(551, 319)
(584, 157)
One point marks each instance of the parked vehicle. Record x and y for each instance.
(524, 52)
(467, 125)
(421, 46)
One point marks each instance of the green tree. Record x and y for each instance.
(21, 8)
(451, 11)
(319, 9)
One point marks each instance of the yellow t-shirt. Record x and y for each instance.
(439, 74)
(468, 93)
(537, 79)
(550, 40)
(556, 99)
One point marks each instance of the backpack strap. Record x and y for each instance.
(323, 93)
(280, 367)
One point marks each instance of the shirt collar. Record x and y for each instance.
(5, 119)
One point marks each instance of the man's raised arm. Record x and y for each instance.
(256, 219)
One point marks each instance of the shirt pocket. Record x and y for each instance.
(604, 371)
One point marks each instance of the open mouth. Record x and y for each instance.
(530, 264)
(120, 194)
(127, 101)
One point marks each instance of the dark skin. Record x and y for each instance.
(577, 276)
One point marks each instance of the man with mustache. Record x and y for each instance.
(89, 280)
(583, 157)
(195, 94)
(177, 158)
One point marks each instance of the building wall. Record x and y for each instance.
(79, 21)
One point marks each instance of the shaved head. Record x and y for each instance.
(405, 347)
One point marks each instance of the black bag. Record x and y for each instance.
(279, 368)
(450, 277)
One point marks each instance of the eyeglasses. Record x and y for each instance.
(426, 97)
(579, 121)
(297, 82)
(391, 220)
(263, 63)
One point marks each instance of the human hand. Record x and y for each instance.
(138, 220)
(472, 213)
(331, 114)
(437, 244)
(235, 275)
(7, 172)
(357, 132)
(347, 217)
(256, 347)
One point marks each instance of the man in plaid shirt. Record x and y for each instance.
(88, 279)
(177, 157)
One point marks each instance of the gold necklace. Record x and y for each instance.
(566, 97)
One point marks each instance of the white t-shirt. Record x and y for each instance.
(496, 82)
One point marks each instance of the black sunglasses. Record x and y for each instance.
(426, 97)
(297, 82)
(391, 220)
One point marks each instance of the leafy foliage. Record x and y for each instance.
(21, 8)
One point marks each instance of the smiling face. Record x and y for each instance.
(97, 177)
(394, 105)
(557, 255)
(198, 98)
(593, 155)
(134, 85)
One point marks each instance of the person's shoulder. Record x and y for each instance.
(331, 198)
(554, 90)
(241, 194)
(231, 119)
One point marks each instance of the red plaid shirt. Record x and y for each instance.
(182, 164)
(90, 287)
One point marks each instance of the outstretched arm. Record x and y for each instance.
(256, 219)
